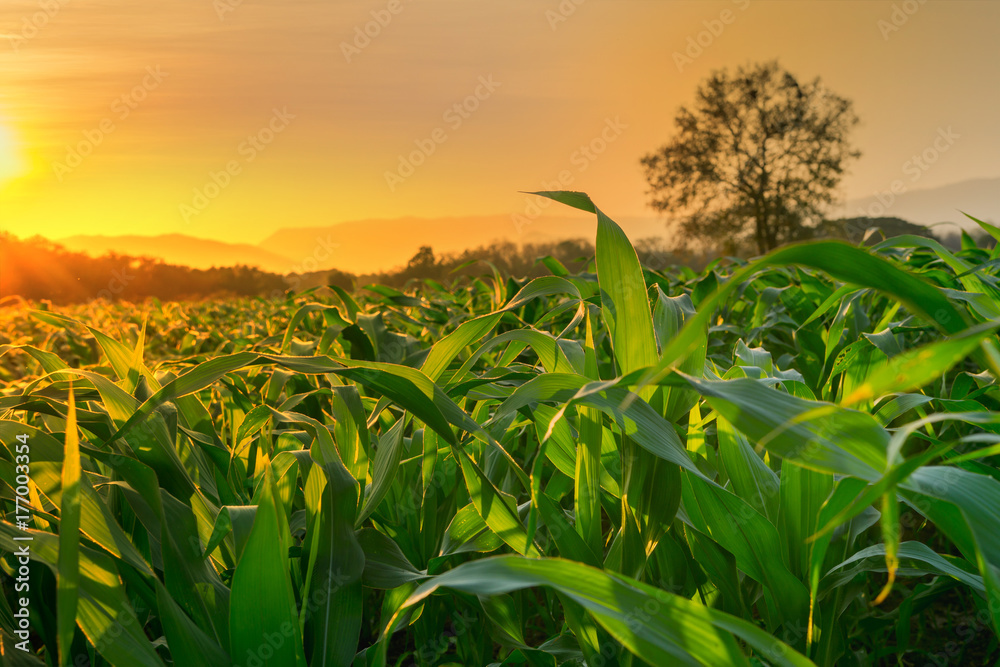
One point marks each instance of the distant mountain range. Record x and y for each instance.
(372, 245)
(979, 198)
(363, 246)
(360, 246)
(179, 249)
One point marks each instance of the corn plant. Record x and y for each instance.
(787, 461)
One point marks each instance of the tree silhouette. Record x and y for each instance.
(756, 159)
(423, 260)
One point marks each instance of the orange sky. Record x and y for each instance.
(299, 130)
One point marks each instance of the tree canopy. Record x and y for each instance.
(755, 160)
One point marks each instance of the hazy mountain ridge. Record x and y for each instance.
(180, 249)
(355, 246)
(978, 197)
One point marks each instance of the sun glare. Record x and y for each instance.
(12, 164)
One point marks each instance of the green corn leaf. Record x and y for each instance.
(673, 630)
(259, 630)
(333, 608)
(916, 368)
(69, 539)
(103, 613)
(188, 643)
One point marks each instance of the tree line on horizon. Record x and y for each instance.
(36, 269)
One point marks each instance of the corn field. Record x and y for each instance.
(788, 461)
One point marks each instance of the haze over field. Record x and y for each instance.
(231, 121)
(355, 246)
(361, 246)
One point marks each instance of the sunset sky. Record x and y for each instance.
(116, 114)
